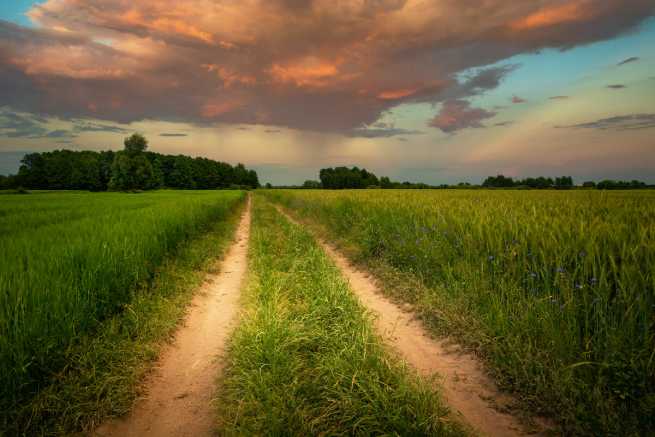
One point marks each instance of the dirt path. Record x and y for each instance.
(179, 392)
(466, 388)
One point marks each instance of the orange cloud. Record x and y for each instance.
(551, 16)
(213, 110)
(166, 24)
(308, 72)
(229, 77)
(396, 94)
(315, 65)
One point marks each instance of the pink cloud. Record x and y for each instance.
(312, 65)
(458, 114)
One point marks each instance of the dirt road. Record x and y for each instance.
(465, 386)
(179, 391)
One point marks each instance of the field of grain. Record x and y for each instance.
(554, 289)
(71, 261)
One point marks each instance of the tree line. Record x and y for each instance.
(500, 181)
(357, 178)
(133, 168)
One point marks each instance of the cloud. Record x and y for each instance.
(166, 134)
(457, 115)
(59, 133)
(300, 64)
(18, 125)
(24, 125)
(88, 126)
(627, 61)
(384, 132)
(558, 97)
(620, 122)
(272, 131)
(517, 99)
(503, 123)
(616, 86)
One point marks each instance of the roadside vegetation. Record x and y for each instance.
(90, 285)
(554, 289)
(305, 360)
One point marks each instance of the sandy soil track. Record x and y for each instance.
(179, 391)
(466, 388)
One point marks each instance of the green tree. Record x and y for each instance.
(135, 144)
(131, 169)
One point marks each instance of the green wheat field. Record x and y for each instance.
(553, 290)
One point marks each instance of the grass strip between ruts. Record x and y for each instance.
(305, 359)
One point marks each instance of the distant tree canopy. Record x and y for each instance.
(344, 177)
(130, 169)
(500, 181)
(609, 184)
(312, 184)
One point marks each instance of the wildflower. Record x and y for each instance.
(578, 286)
(532, 274)
(560, 270)
(582, 254)
(490, 258)
(593, 281)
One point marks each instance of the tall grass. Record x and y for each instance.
(71, 261)
(304, 360)
(556, 289)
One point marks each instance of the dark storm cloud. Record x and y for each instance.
(517, 99)
(627, 61)
(616, 86)
(87, 126)
(620, 122)
(288, 63)
(382, 132)
(16, 125)
(59, 133)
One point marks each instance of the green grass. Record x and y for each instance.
(304, 360)
(554, 289)
(91, 286)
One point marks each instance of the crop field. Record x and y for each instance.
(555, 290)
(71, 261)
(551, 291)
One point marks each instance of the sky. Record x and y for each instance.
(436, 91)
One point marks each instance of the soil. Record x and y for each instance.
(179, 391)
